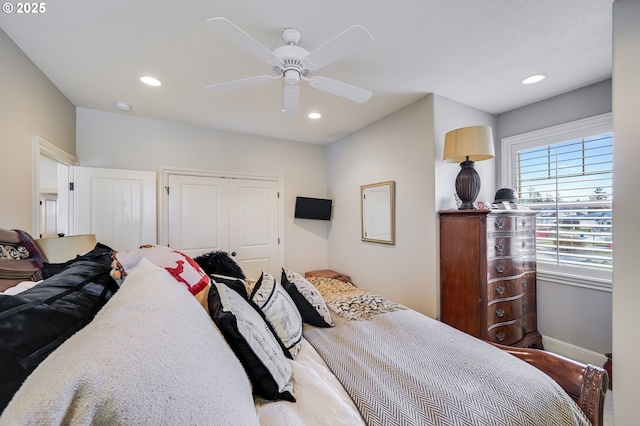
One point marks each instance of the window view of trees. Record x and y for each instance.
(570, 185)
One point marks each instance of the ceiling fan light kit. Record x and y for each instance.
(293, 63)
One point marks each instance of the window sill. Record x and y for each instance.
(575, 280)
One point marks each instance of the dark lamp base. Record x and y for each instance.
(467, 185)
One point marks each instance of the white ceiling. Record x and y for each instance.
(472, 51)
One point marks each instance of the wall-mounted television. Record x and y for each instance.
(313, 208)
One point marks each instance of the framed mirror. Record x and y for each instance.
(377, 203)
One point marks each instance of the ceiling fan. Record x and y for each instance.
(293, 63)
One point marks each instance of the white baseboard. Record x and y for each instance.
(573, 352)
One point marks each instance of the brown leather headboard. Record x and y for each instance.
(20, 258)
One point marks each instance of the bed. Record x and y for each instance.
(153, 337)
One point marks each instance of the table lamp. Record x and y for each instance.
(465, 146)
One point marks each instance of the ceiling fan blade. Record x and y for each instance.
(245, 82)
(244, 40)
(291, 100)
(351, 40)
(339, 88)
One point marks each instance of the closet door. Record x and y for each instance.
(198, 214)
(239, 216)
(253, 226)
(118, 206)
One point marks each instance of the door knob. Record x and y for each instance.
(233, 253)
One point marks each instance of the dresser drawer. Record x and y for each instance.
(511, 266)
(508, 226)
(514, 246)
(508, 333)
(502, 310)
(505, 288)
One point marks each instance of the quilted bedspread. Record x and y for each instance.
(403, 368)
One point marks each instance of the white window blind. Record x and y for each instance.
(565, 174)
(570, 185)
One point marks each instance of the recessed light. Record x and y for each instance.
(314, 115)
(534, 79)
(123, 106)
(150, 81)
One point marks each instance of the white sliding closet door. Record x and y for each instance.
(239, 216)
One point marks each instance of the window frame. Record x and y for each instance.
(600, 124)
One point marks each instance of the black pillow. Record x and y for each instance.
(242, 325)
(219, 262)
(35, 322)
(310, 314)
(100, 253)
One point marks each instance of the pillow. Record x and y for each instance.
(238, 284)
(252, 340)
(100, 252)
(280, 311)
(219, 262)
(181, 267)
(148, 358)
(241, 287)
(37, 321)
(310, 303)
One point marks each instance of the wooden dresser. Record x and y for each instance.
(488, 275)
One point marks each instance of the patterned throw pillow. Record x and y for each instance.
(181, 267)
(310, 303)
(280, 311)
(251, 339)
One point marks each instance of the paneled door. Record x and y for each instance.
(239, 216)
(118, 206)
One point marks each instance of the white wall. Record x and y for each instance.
(626, 233)
(451, 115)
(398, 147)
(403, 147)
(29, 105)
(121, 141)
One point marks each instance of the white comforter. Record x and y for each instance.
(320, 398)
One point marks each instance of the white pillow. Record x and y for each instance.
(280, 310)
(181, 267)
(150, 356)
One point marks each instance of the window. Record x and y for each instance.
(565, 174)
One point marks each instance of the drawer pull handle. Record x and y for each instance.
(500, 337)
(523, 222)
(525, 325)
(500, 290)
(499, 247)
(500, 313)
(499, 223)
(524, 283)
(500, 268)
(524, 303)
(524, 264)
(524, 243)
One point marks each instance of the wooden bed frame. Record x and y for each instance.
(586, 384)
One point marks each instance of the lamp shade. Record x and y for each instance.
(475, 142)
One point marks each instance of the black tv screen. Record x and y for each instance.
(313, 208)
